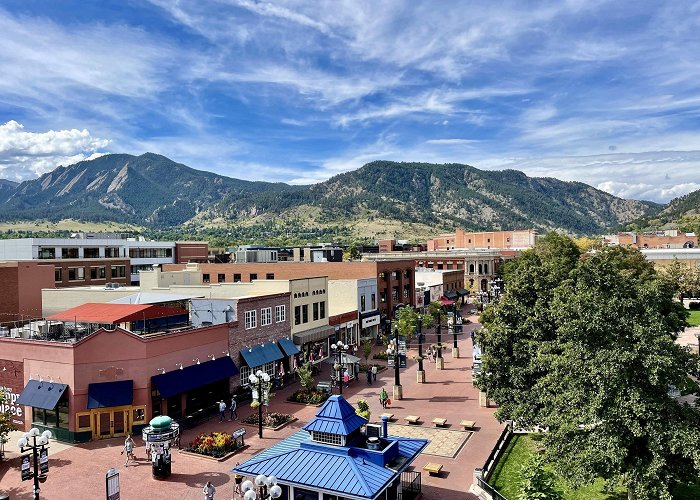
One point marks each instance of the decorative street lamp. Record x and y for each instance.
(267, 488)
(439, 360)
(456, 329)
(259, 378)
(419, 331)
(39, 449)
(339, 349)
(398, 390)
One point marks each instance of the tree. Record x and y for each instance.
(537, 483)
(306, 378)
(586, 346)
(5, 419)
(363, 409)
(367, 349)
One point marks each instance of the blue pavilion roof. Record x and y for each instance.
(336, 416)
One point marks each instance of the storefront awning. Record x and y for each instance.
(289, 347)
(445, 301)
(319, 333)
(110, 394)
(192, 377)
(261, 354)
(346, 359)
(451, 294)
(41, 394)
(463, 292)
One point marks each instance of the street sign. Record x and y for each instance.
(112, 484)
(26, 467)
(44, 461)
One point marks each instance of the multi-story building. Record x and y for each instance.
(432, 284)
(460, 239)
(20, 290)
(102, 258)
(669, 239)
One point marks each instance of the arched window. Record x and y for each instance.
(471, 268)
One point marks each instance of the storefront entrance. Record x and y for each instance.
(110, 422)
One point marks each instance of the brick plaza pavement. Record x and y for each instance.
(79, 471)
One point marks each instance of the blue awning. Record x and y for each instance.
(261, 354)
(109, 394)
(192, 377)
(288, 346)
(38, 394)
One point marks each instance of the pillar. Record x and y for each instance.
(420, 376)
(455, 352)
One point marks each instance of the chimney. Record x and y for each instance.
(385, 426)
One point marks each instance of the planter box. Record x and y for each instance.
(317, 405)
(213, 459)
(294, 419)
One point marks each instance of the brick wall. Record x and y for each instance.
(9, 287)
(87, 264)
(12, 381)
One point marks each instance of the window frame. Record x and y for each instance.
(280, 313)
(266, 316)
(251, 319)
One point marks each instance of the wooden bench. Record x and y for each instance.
(389, 416)
(412, 419)
(467, 424)
(432, 469)
(440, 422)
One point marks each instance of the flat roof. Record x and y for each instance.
(109, 314)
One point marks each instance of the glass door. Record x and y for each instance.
(120, 423)
(104, 424)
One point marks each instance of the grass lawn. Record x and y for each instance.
(506, 476)
(694, 318)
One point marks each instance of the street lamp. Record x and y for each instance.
(267, 488)
(398, 390)
(456, 330)
(421, 337)
(259, 378)
(439, 360)
(38, 444)
(339, 349)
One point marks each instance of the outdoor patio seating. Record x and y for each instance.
(467, 424)
(432, 468)
(389, 416)
(440, 422)
(412, 419)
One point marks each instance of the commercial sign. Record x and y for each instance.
(26, 467)
(44, 461)
(112, 479)
(9, 404)
(371, 321)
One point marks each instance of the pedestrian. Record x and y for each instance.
(209, 491)
(374, 373)
(383, 396)
(369, 377)
(346, 378)
(129, 450)
(222, 411)
(234, 413)
(430, 354)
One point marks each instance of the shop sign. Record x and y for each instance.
(26, 467)
(371, 321)
(112, 479)
(9, 405)
(44, 461)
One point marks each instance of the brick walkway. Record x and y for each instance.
(79, 471)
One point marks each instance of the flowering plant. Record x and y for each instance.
(269, 419)
(215, 444)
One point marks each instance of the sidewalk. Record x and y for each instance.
(79, 471)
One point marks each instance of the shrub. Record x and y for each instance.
(309, 396)
(216, 444)
(271, 420)
(363, 409)
(381, 355)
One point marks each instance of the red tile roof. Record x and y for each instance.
(107, 314)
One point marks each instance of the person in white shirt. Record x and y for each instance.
(222, 411)
(209, 491)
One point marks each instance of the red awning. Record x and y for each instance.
(109, 314)
(445, 301)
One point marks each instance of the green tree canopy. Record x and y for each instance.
(585, 345)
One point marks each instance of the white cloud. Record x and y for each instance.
(452, 142)
(24, 155)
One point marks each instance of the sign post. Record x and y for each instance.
(112, 484)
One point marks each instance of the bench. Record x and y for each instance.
(467, 424)
(389, 416)
(412, 419)
(440, 422)
(432, 469)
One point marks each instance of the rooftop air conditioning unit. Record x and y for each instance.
(373, 430)
(373, 443)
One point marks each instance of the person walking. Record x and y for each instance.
(222, 411)
(383, 396)
(346, 378)
(374, 373)
(129, 450)
(430, 354)
(208, 491)
(234, 413)
(369, 377)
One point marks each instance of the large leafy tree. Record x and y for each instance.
(5, 420)
(585, 345)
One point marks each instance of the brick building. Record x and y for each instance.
(461, 239)
(672, 239)
(20, 289)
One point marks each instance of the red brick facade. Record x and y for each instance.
(12, 383)
(68, 272)
(20, 289)
(191, 251)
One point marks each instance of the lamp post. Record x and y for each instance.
(267, 488)
(439, 360)
(339, 349)
(38, 446)
(456, 329)
(420, 376)
(398, 390)
(259, 378)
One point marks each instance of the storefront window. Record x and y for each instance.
(63, 414)
(155, 403)
(83, 422)
(175, 407)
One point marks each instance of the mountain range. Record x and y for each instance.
(379, 198)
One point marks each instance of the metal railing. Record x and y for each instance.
(497, 450)
(489, 489)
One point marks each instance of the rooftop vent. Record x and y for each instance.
(373, 443)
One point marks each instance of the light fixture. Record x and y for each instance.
(228, 353)
(212, 357)
(161, 370)
(196, 359)
(179, 365)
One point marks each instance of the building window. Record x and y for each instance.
(251, 319)
(205, 278)
(297, 315)
(373, 301)
(439, 266)
(69, 253)
(407, 273)
(395, 275)
(406, 291)
(97, 273)
(322, 309)
(221, 278)
(112, 252)
(382, 276)
(91, 253)
(270, 276)
(280, 314)
(266, 316)
(245, 373)
(471, 268)
(363, 303)
(236, 278)
(253, 276)
(395, 293)
(305, 313)
(327, 438)
(76, 273)
(315, 311)
(481, 269)
(486, 268)
(58, 274)
(47, 253)
(382, 296)
(118, 271)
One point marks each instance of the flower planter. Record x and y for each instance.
(280, 426)
(213, 459)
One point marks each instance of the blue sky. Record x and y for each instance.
(606, 93)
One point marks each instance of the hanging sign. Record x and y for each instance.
(26, 467)
(112, 479)
(44, 461)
